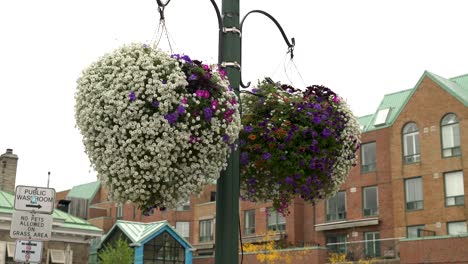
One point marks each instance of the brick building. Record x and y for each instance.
(408, 187)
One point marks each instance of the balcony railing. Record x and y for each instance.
(412, 158)
(336, 216)
(371, 211)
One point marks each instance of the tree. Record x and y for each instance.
(120, 253)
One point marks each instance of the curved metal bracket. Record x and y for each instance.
(161, 7)
(290, 44)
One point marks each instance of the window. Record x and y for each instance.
(212, 196)
(184, 229)
(336, 243)
(249, 222)
(372, 244)
(119, 212)
(163, 249)
(457, 228)
(336, 207)
(414, 194)
(381, 117)
(205, 231)
(56, 256)
(185, 206)
(413, 231)
(275, 220)
(368, 159)
(411, 152)
(371, 201)
(450, 131)
(454, 191)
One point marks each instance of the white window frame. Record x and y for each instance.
(415, 156)
(204, 229)
(372, 211)
(183, 228)
(275, 220)
(249, 226)
(450, 136)
(374, 242)
(452, 233)
(366, 165)
(337, 215)
(454, 188)
(416, 229)
(411, 193)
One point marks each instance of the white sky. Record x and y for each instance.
(360, 49)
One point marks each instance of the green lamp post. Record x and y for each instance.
(227, 193)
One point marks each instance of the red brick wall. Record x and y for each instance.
(427, 107)
(448, 250)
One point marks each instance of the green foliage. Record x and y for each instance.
(120, 253)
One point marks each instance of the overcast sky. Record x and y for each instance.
(360, 49)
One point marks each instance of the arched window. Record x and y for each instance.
(410, 140)
(450, 131)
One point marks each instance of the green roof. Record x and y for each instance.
(138, 232)
(456, 86)
(70, 221)
(85, 191)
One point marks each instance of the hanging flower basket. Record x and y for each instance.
(157, 128)
(295, 143)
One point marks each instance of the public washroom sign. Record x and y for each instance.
(37, 199)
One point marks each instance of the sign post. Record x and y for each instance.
(31, 221)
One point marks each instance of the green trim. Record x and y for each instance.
(456, 86)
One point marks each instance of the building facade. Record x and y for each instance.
(408, 184)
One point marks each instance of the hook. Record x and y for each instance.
(291, 44)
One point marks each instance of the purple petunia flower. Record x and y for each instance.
(326, 132)
(207, 113)
(175, 56)
(186, 58)
(248, 129)
(283, 157)
(255, 90)
(192, 77)
(266, 156)
(164, 81)
(172, 118)
(289, 180)
(180, 110)
(184, 100)
(317, 120)
(132, 96)
(155, 103)
(226, 138)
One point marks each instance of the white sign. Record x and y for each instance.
(37, 199)
(31, 226)
(28, 251)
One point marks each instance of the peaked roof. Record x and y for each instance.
(84, 191)
(69, 221)
(138, 232)
(456, 86)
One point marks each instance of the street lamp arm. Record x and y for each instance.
(290, 44)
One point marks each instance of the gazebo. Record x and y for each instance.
(155, 242)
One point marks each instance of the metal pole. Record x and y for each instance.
(227, 194)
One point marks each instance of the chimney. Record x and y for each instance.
(8, 165)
